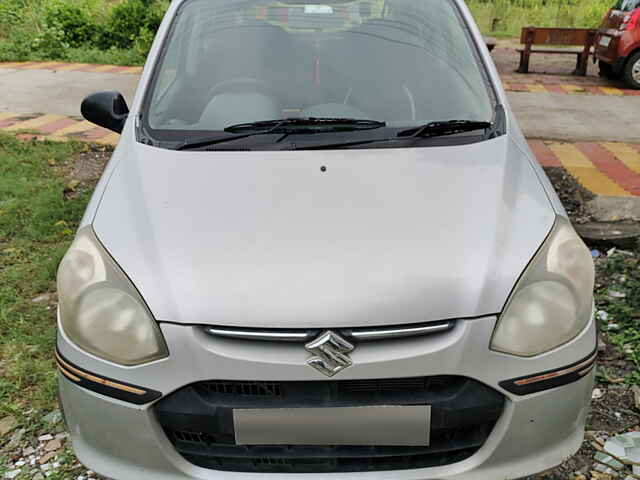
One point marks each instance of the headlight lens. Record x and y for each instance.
(101, 311)
(552, 302)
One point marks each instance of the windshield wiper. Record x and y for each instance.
(447, 127)
(307, 123)
(286, 126)
(428, 130)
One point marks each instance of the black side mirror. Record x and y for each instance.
(106, 109)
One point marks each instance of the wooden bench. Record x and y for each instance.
(582, 37)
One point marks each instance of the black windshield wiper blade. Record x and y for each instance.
(283, 125)
(446, 127)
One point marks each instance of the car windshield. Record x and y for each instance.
(403, 63)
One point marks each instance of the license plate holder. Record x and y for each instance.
(381, 425)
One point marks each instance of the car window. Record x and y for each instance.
(627, 5)
(404, 62)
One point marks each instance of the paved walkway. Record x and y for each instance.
(71, 67)
(568, 88)
(604, 168)
(56, 127)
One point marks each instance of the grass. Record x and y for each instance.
(618, 295)
(505, 18)
(36, 228)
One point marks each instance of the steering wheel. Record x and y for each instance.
(240, 85)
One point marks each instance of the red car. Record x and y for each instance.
(617, 43)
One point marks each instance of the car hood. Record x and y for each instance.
(269, 239)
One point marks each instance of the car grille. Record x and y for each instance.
(198, 420)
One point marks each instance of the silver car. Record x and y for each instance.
(322, 249)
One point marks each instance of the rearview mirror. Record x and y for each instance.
(106, 109)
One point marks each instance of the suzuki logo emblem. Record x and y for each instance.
(330, 353)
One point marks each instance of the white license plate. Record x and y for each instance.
(375, 425)
(605, 41)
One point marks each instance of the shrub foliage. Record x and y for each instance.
(98, 31)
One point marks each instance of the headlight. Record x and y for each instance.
(552, 302)
(100, 310)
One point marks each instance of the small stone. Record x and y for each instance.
(61, 436)
(73, 184)
(45, 438)
(600, 476)
(45, 458)
(15, 440)
(53, 417)
(616, 294)
(38, 476)
(613, 327)
(41, 298)
(20, 463)
(602, 345)
(602, 315)
(28, 451)
(636, 396)
(597, 394)
(53, 445)
(12, 474)
(7, 425)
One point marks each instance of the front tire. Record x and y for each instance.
(632, 71)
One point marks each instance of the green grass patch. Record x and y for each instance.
(618, 295)
(36, 228)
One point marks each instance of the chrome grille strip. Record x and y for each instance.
(365, 334)
(263, 335)
(361, 334)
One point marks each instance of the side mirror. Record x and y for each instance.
(106, 109)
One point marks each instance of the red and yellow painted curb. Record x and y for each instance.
(604, 168)
(567, 88)
(71, 67)
(55, 127)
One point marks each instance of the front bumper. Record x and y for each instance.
(534, 432)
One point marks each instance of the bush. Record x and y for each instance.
(128, 20)
(69, 22)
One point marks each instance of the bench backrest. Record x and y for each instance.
(557, 36)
